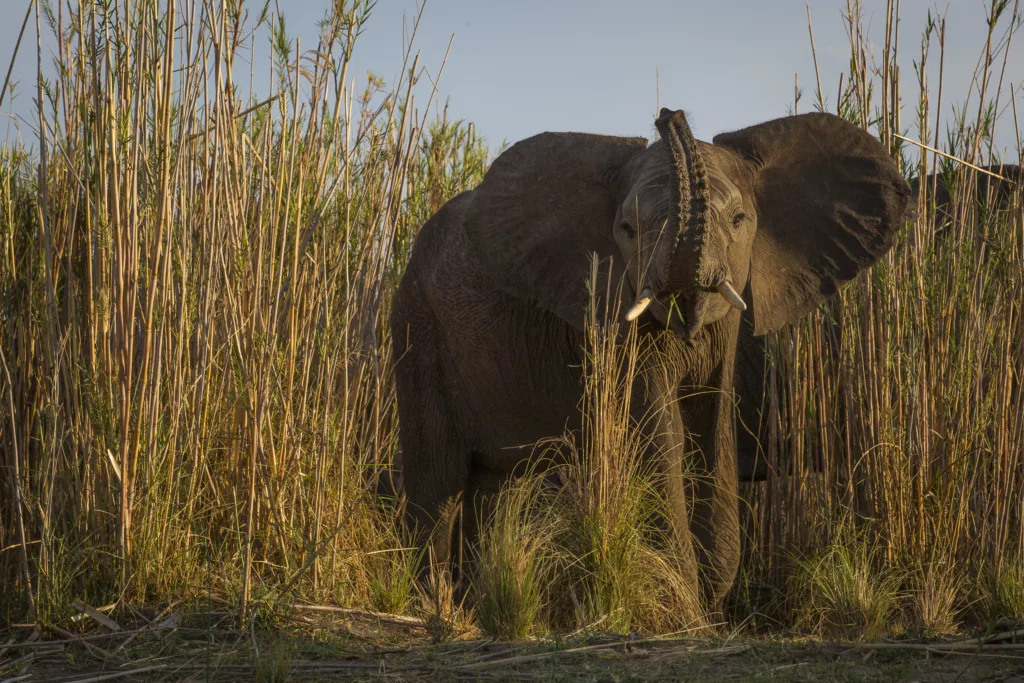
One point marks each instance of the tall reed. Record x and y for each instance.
(907, 387)
(196, 376)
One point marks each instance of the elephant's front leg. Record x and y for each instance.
(656, 411)
(711, 470)
(710, 463)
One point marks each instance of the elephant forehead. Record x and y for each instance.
(723, 191)
(647, 200)
(721, 171)
(650, 196)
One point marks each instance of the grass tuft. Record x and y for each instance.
(1003, 590)
(275, 664)
(624, 571)
(936, 598)
(443, 603)
(517, 558)
(843, 594)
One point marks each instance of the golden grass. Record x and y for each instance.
(917, 420)
(195, 291)
(516, 561)
(841, 593)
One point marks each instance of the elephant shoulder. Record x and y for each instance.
(444, 268)
(544, 208)
(440, 230)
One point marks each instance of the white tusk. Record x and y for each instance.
(725, 289)
(642, 302)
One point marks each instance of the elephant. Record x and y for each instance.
(752, 365)
(991, 193)
(488, 321)
(988, 188)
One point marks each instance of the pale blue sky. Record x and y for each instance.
(524, 66)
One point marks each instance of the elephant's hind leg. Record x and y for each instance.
(435, 456)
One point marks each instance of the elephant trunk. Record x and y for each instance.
(688, 230)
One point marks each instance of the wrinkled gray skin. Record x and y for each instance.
(752, 367)
(488, 321)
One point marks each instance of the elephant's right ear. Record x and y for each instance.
(545, 206)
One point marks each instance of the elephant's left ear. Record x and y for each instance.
(829, 202)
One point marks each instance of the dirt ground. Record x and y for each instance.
(327, 644)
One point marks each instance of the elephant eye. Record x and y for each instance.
(628, 229)
(738, 219)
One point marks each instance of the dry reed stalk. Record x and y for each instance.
(915, 424)
(208, 369)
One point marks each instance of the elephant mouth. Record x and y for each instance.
(680, 314)
(670, 315)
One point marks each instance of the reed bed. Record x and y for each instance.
(196, 376)
(196, 287)
(898, 407)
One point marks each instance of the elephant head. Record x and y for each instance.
(683, 250)
(796, 206)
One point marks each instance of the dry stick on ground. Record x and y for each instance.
(96, 615)
(156, 624)
(1005, 635)
(590, 648)
(120, 674)
(99, 652)
(317, 667)
(382, 616)
(25, 659)
(974, 644)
